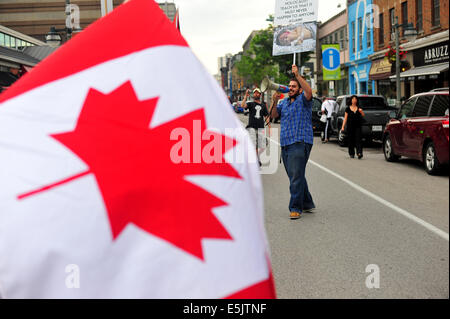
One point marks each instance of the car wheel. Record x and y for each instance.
(388, 151)
(342, 139)
(432, 165)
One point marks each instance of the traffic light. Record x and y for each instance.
(404, 66)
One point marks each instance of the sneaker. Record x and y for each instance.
(352, 156)
(360, 156)
(311, 210)
(295, 215)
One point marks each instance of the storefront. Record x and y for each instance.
(334, 88)
(359, 78)
(380, 73)
(430, 69)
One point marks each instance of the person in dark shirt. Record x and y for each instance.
(256, 119)
(354, 118)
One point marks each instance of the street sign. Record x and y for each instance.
(331, 60)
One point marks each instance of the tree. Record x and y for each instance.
(257, 62)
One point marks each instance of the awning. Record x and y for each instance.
(434, 69)
(380, 70)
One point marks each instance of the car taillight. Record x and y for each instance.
(445, 127)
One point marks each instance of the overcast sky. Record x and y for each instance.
(214, 28)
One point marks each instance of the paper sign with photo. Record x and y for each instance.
(294, 38)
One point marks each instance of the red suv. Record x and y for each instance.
(419, 130)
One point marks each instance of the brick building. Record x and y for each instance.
(426, 71)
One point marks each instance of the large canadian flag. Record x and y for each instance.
(111, 181)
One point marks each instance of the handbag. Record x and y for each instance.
(323, 118)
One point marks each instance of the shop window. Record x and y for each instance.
(2, 39)
(7, 41)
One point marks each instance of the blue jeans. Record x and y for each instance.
(295, 157)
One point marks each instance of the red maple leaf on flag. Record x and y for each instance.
(138, 181)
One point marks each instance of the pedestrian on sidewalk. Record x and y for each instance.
(296, 139)
(328, 107)
(354, 117)
(256, 119)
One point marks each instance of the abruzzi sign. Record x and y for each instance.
(437, 53)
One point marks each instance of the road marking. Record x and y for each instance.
(399, 210)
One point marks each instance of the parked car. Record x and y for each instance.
(237, 107)
(419, 130)
(316, 114)
(240, 108)
(376, 116)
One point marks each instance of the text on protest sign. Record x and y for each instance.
(295, 11)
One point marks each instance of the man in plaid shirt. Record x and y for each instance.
(296, 138)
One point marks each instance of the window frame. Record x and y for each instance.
(353, 36)
(381, 29)
(426, 96)
(432, 104)
(413, 100)
(404, 9)
(435, 19)
(419, 15)
(391, 22)
(368, 30)
(360, 33)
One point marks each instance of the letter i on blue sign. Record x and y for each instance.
(331, 64)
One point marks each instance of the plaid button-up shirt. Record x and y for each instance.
(296, 121)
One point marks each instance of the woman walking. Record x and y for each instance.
(354, 118)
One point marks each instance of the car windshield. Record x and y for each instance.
(372, 102)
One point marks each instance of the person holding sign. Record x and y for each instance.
(257, 113)
(296, 139)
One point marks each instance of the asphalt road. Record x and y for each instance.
(369, 212)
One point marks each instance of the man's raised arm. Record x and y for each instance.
(305, 86)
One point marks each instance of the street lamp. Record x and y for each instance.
(53, 38)
(410, 34)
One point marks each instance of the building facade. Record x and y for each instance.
(426, 59)
(361, 45)
(36, 17)
(333, 31)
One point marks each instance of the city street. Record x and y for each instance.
(369, 212)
